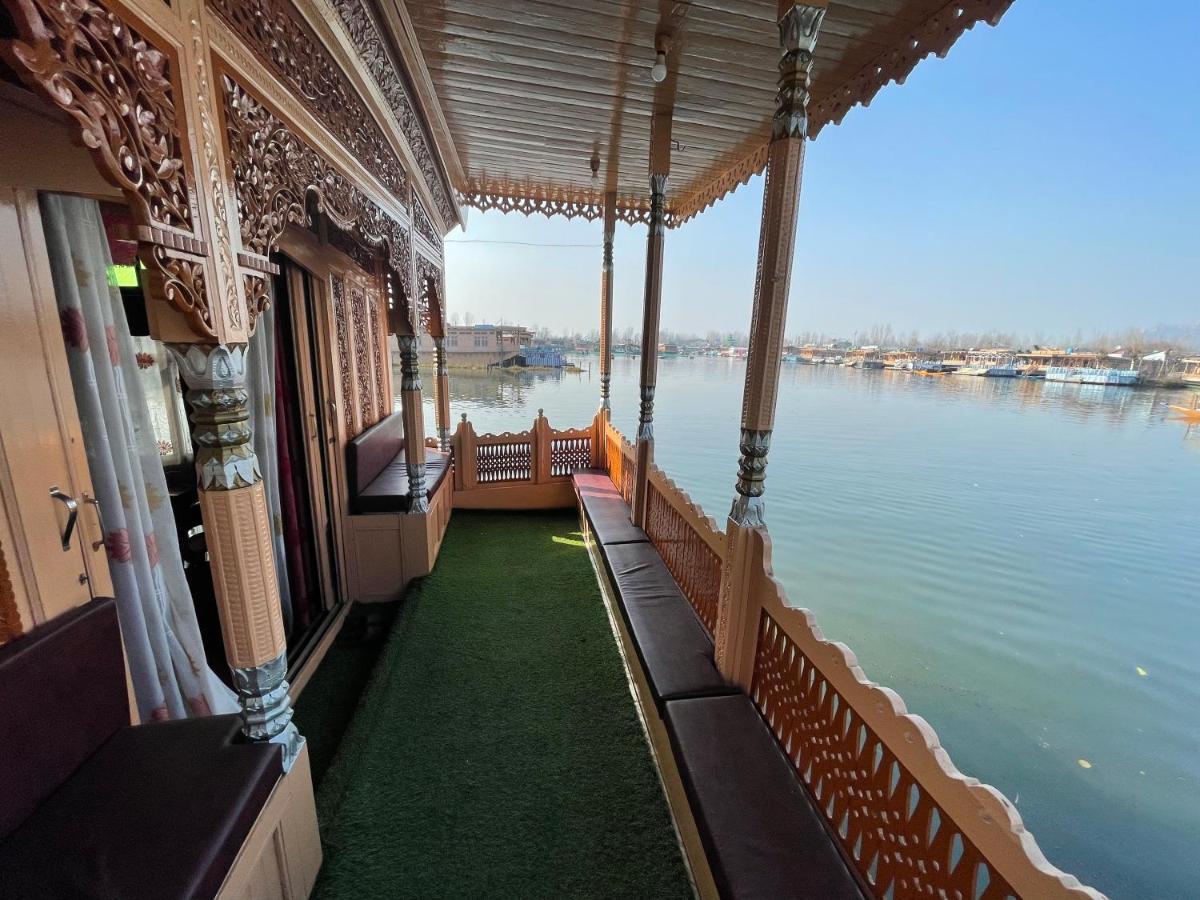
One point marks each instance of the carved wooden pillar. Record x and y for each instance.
(799, 26)
(414, 423)
(237, 529)
(441, 390)
(652, 305)
(606, 300)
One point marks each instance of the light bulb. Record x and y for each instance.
(659, 70)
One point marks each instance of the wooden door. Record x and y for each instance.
(56, 559)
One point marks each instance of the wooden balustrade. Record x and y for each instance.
(911, 823)
(523, 470)
(689, 542)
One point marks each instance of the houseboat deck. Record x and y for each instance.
(497, 749)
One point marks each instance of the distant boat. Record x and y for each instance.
(873, 364)
(1005, 370)
(1075, 375)
(932, 367)
(973, 370)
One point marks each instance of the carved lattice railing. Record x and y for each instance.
(503, 458)
(689, 542)
(620, 460)
(912, 824)
(539, 456)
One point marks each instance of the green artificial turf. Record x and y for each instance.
(497, 751)
(327, 705)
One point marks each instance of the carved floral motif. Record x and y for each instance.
(362, 353)
(274, 172)
(423, 225)
(429, 298)
(275, 31)
(119, 87)
(393, 83)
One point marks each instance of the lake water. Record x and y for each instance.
(1010, 555)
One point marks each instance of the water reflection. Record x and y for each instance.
(1010, 554)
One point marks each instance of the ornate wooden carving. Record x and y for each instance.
(429, 298)
(363, 356)
(274, 172)
(423, 224)
(392, 79)
(528, 199)
(277, 33)
(120, 87)
(341, 327)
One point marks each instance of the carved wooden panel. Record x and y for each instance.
(363, 355)
(341, 323)
(274, 171)
(276, 32)
(120, 87)
(393, 82)
(380, 363)
(423, 224)
(570, 454)
(691, 559)
(901, 842)
(430, 297)
(507, 461)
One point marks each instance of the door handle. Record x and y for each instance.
(95, 501)
(72, 515)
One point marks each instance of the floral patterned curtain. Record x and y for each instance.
(158, 621)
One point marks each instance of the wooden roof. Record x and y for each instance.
(530, 90)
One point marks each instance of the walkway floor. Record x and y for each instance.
(497, 749)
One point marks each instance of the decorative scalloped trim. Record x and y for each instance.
(526, 198)
(936, 35)
(920, 740)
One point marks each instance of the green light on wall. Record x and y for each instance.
(123, 276)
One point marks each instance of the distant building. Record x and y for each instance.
(480, 346)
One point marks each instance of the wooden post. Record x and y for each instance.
(441, 390)
(414, 423)
(799, 26)
(539, 444)
(660, 165)
(237, 529)
(606, 298)
(466, 475)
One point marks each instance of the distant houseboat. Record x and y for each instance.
(1092, 376)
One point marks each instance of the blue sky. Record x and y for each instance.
(1043, 179)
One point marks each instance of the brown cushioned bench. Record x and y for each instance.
(606, 511)
(92, 807)
(377, 472)
(675, 651)
(762, 834)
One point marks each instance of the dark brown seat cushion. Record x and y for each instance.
(675, 651)
(388, 491)
(606, 511)
(762, 833)
(62, 695)
(160, 810)
(372, 451)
